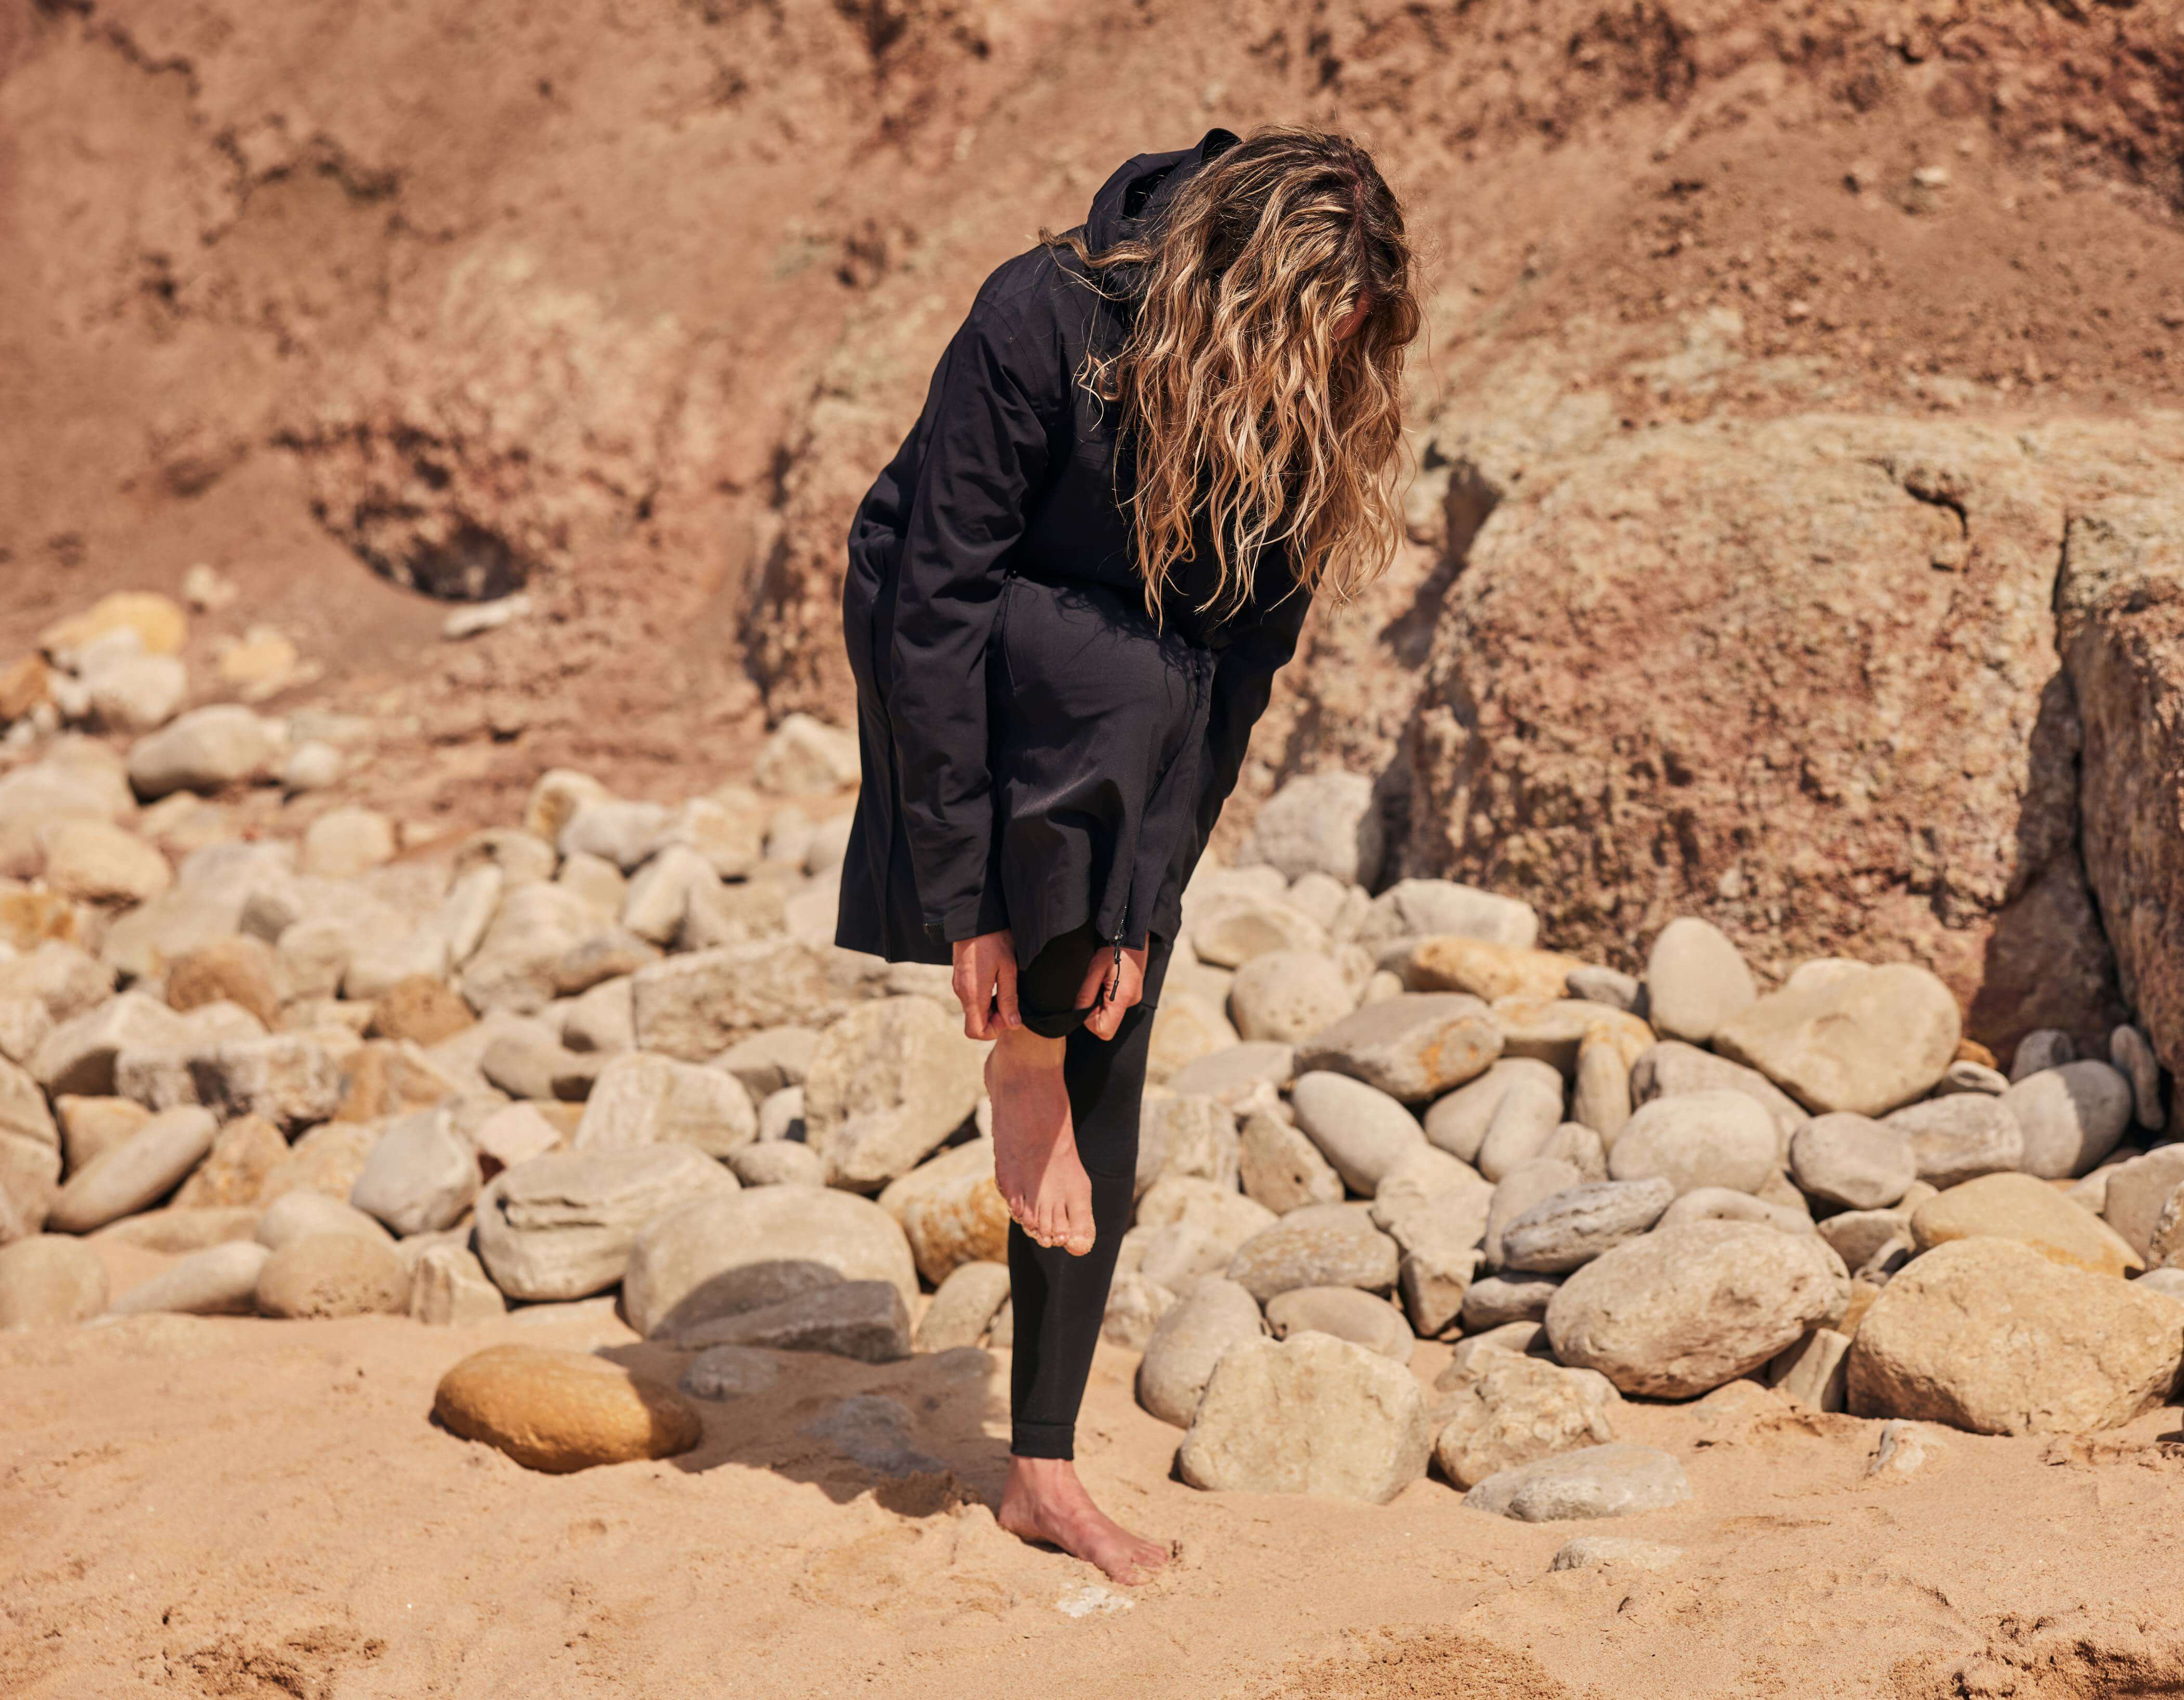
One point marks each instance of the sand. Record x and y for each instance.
(237, 1507)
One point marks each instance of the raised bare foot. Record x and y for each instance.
(1044, 1500)
(1036, 1163)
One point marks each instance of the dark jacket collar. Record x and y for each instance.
(1131, 201)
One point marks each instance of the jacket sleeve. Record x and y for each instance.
(1243, 682)
(985, 456)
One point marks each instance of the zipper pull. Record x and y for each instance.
(1107, 992)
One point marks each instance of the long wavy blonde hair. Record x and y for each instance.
(1239, 406)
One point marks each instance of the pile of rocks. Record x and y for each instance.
(1400, 1117)
(612, 1047)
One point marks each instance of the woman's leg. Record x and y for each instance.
(1035, 1160)
(1060, 1300)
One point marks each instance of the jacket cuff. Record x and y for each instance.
(984, 912)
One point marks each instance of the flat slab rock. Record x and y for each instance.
(1612, 1480)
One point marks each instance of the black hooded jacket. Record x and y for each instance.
(987, 804)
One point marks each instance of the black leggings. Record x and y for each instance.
(1059, 1302)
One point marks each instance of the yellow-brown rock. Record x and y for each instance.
(156, 620)
(422, 1009)
(244, 1154)
(1450, 962)
(23, 685)
(557, 1410)
(28, 919)
(2028, 1210)
(951, 1211)
(237, 970)
(1553, 1028)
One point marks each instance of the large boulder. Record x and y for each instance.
(1696, 979)
(137, 1174)
(1193, 1336)
(1413, 1046)
(951, 1210)
(1506, 1409)
(1321, 1245)
(1846, 732)
(1698, 1139)
(2120, 602)
(332, 1275)
(48, 1280)
(2072, 1116)
(1569, 1229)
(557, 1410)
(722, 1255)
(1324, 823)
(421, 1177)
(224, 744)
(1869, 1041)
(1308, 1414)
(1687, 1307)
(219, 1280)
(696, 1006)
(641, 1099)
(887, 1082)
(1992, 1335)
(560, 1226)
(2136, 1192)
(1360, 1130)
(2020, 1207)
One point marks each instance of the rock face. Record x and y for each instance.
(560, 1226)
(1614, 1480)
(1868, 1041)
(1508, 1409)
(1840, 715)
(888, 1081)
(1309, 1414)
(2121, 606)
(723, 1255)
(1413, 1046)
(1990, 1336)
(558, 1411)
(1688, 1308)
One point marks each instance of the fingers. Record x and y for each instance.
(1005, 990)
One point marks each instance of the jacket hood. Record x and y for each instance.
(1133, 198)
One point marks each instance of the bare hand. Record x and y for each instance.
(1129, 985)
(986, 973)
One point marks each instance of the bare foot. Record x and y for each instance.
(1035, 1162)
(1044, 1500)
